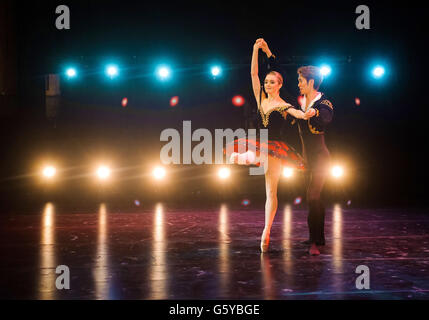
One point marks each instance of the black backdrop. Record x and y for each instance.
(383, 140)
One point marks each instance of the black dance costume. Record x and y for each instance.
(317, 158)
(274, 121)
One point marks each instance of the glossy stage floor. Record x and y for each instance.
(161, 252)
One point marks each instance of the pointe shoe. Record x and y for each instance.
(264, 247)
(265, 241)
(234, 157)
(314, 251)
(242, 159)
(245, 158)
(250, 157)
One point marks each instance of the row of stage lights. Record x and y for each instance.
(164, 72)
(159, 173)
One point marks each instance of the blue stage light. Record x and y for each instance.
(112, 71)
(216, 71)
(71, 72)
(378, 71)
(163, 72)
(325, 70)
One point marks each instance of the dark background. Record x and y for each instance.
(382, 142)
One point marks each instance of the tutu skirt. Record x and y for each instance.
(274, 148)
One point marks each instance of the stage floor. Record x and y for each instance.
(164, 252)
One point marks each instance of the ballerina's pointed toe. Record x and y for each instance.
(264, 247)
(246, 158)
(234, 157)
(265, 241)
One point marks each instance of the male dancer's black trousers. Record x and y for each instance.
(318, 165)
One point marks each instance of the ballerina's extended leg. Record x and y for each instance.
(272, 177)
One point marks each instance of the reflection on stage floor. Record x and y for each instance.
(164, 252)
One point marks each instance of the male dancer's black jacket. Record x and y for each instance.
(312, 133)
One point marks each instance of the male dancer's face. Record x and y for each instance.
(305, 86)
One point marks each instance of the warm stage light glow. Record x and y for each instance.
(238, 101)
(47, 254)
(103, 172)
(357, 101)
(49, 172)
(288, 172)
(224, 173)
(325, 70)
(174, 101)
(159, 173)
(124, 102)
(337, 172)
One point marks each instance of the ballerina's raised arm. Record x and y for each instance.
(254, 73)
(262, 44)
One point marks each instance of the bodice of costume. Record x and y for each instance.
(274, 121)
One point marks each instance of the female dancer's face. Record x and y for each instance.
(271, 84)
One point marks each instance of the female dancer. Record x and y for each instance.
(272, 112)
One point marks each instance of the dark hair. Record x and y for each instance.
(311, 72)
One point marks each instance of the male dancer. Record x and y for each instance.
(315, 152)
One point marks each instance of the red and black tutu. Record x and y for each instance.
(274, 148)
